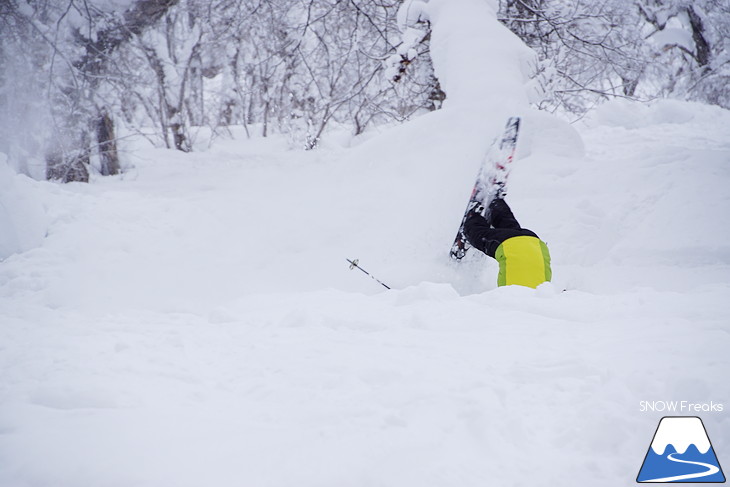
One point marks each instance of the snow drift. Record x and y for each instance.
(22, 217)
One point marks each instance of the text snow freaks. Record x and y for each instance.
(680, 407)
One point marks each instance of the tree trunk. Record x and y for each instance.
(702, 54)
(265, 128)
(179, 137)
(108, 154)
(629, 86)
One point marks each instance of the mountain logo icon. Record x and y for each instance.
(680, 452)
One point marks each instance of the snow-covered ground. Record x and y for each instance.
(194, 321)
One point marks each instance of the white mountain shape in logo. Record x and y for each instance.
(680, 432)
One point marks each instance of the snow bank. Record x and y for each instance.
(652, 199)
(632, 115)
(23, 221)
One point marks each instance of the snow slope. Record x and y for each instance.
(194, 322)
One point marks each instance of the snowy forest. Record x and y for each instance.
(228, 232)
(74, 72)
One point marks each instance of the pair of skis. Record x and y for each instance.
(491, 182)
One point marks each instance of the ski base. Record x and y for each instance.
(490, 183)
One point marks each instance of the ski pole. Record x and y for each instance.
(354, 265)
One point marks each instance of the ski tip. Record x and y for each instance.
(457, 255)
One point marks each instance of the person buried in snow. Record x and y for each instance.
(523, 258)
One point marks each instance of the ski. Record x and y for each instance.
(491, 181)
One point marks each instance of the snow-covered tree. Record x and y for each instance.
(74, 69)
(592, 51)
(24, 114)
(79, 38)
(410, 67)
(690, 50)
(587, 51)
